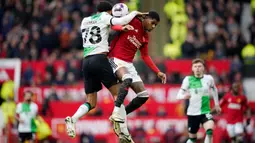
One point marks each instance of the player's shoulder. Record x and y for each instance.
(186, 78)
(208, 76)
(135, 21)
(34, 105)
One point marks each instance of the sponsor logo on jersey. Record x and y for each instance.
(234, 106)
(134, 41)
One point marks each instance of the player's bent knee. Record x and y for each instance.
(127, 82)
(126, 77)
(209, 131)
(143, 94)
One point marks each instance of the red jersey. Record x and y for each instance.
(125, 45)
(235, 107)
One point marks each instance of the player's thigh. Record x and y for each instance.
(106, 75)
(207, 121)
(193, 124)
(239, 128)
(92, 82)
(231, 130)
(132, 70)
(119, 67)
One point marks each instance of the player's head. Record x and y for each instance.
(119, 10)
(236, 88)
(28, 96)
(198, 67)
(151, 21)
(104, 7)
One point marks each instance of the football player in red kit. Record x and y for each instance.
(121, 55)
(235, 104)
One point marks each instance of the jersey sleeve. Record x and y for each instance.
(107, 18)
(147, 59)
(183, 89)
(214, 91)
(245, 103)
(123, 20)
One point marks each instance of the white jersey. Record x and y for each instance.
(95, 32)
(199, 90)
(27, 113)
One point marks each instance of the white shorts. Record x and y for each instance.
(235, 129)
(117, 63)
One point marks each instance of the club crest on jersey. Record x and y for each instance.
(229, 100)
(238, 100)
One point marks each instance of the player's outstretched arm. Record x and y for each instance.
(148, 61)
(122, 28)
(125, 19)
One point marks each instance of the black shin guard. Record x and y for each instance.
(123, 92)
(135, 104)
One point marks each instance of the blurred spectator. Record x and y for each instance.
(139, 135)
(161, 112)
(86, 138)
(47, 79)
(143, 111)
(52, 97)
(171, 136)
(188, 49)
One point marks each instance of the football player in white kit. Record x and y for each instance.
(198, 88)
(26, 114)
(96, 67)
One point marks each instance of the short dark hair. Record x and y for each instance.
(198, 60)
(154, 15)
(104, 6)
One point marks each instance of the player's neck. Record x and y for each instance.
(199, 76)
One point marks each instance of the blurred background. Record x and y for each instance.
(41, 51)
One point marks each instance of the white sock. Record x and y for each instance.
(123, 126)
(189, 141)
(116, 109)
(208, 139)
(82, 110)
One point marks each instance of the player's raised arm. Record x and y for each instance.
(125, 19)
(183, 91)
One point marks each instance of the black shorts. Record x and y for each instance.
(96, 70)
(195, 121)
(25, 136)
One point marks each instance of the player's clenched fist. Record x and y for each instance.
(162, 76)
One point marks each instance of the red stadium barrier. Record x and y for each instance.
(154, 127)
